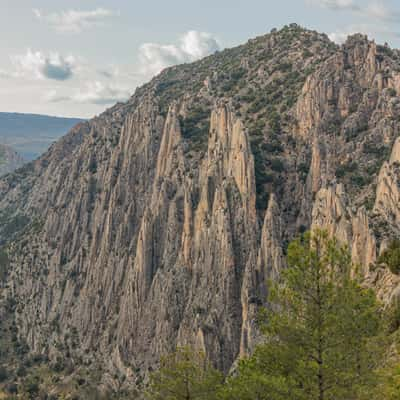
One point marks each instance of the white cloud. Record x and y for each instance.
(374, 10)
(335, 4)
(94, 93)
(373, 31)
(74, 21)
(340, 36)
(198, 44)
(95, 86)
(40, 66)
(193, 45)
(380, 12)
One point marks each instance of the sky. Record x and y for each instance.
(77, 58)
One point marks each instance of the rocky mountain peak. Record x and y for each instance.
(157, 223)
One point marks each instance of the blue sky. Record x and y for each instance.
(76, 58)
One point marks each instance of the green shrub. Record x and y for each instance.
(343, 170)
(385, 50)
(358, 180)
(195, 126)
(391, 256)
(393, 317)
(303, 169)
(272, 147)
(4, 263)
(277, 165)
(93, 166)
(3, 374)
(31, 387)
(275, 122)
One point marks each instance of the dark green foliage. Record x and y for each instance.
(359, 180)
(162, 87)
(275, 122)
(238, 74)
(277, 165)
(284, 67)
(196, 125)
(58, 365)
(12, 223)
(92, 192)
(343, 170)
(307, 53)
(385, 50)
(184, 375)
(372, 148)
(93, 166)
(351, 171)
(4, 263)
(3, 374)
(31, 387)
(322, 331)
(393, 317)
(233, 80)
(272, 146)
(303, 169)
(391, 256)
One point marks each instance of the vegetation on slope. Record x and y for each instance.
(261, 80)
(324, 338)
(391, 256)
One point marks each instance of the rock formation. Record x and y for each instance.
(159, 222)
(387, 203)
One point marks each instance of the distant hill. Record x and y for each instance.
(30, 134)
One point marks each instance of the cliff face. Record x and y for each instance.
(9, 160)
(158, 223)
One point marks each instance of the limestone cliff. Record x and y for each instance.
(159, 222)
(387, 203)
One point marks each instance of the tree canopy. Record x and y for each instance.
(185, 375)
(321, 331)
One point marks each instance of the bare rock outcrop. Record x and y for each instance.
(387, 203)
(332, 213)
(159, 222)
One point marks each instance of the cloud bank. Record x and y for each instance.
(374, 10)
(74, 21)
(40, 66)
(375, 18)
(105, 85)
(94, 93)
(380, 12)
(335, 4)
(192, 46)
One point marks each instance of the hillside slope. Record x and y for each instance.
(32, 134)
(157, 223)
(10, 160)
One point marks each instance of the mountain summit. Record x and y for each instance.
(158, 223)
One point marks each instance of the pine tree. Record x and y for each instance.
(184, 375)
(322, 331)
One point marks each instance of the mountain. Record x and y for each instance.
(30, 134)
(10, 160)
(158, 223)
